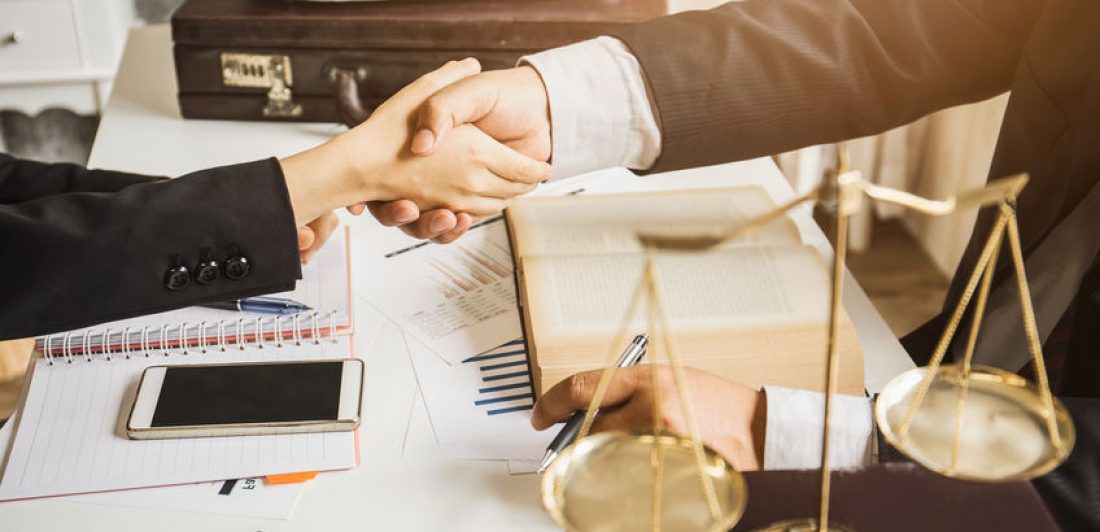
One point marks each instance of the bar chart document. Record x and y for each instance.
(479, 408)
(456, 299)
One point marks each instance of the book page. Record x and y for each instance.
(71, 436)
(739, 287)
(611, 223)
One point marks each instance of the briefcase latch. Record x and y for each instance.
(263, 71)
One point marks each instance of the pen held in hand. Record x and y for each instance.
(631, 356)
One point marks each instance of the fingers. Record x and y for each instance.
(322, 230)
(633, 416)
(453, 105)
(393, 213)
(305, 238)
(499, 188)
(513, 165)
(574, 394)
(357, 209)
(464, 221)
(440, 225)
(482, 206)
(434, 81)
(431, 224)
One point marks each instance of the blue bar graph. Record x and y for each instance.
(507, 378)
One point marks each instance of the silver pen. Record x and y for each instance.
(633, 354)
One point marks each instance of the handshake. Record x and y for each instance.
(454, 145)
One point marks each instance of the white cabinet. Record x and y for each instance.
(60, 53)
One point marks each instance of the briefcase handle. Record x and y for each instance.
(345, 82)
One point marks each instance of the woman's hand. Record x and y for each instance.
(314, 234)
(730, 416)
(476, 175)
(371, 162)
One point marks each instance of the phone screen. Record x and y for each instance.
(257, 393)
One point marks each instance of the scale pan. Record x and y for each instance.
(605, 482)
(1003, 436)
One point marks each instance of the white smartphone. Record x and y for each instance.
(242, 399)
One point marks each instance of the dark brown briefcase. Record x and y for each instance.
(335, 61)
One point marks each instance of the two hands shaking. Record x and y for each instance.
(454, 145)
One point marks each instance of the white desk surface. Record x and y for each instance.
(141, 131)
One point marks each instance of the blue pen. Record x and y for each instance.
(261, 304)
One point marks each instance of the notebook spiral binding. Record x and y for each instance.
(76, 345)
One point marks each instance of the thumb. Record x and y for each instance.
(574, 393)
(306, 237)
(464, 102)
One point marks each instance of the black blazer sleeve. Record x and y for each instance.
(22, 180)
(765, 76)
(101, 252)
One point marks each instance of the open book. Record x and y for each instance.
(754, 310)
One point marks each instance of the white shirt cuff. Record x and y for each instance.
(600, 113)
(792, 439)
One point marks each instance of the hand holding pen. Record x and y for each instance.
(633, 354)
(731, 417)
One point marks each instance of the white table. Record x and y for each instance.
(141, 131)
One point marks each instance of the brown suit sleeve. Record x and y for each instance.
(765, 76)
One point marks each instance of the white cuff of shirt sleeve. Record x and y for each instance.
(792, 439)
(600, 114)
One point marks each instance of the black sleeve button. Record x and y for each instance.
(177, 277)
(237, 265)
(207, 270)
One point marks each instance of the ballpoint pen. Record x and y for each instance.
(261, 304)
(633, 354)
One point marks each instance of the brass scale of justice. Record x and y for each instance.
(959, 420)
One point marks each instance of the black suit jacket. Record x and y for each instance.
(83, 246)
(765, 76)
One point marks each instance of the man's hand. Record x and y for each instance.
(508, 105)
(730, 417)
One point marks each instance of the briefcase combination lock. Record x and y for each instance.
(273, 72)
(270, 72)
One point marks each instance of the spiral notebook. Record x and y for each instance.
(71, 436)
(325, 287)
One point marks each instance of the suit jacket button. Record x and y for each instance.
(207, 270)
(236, 268)
(177, 278)
(237, 265)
